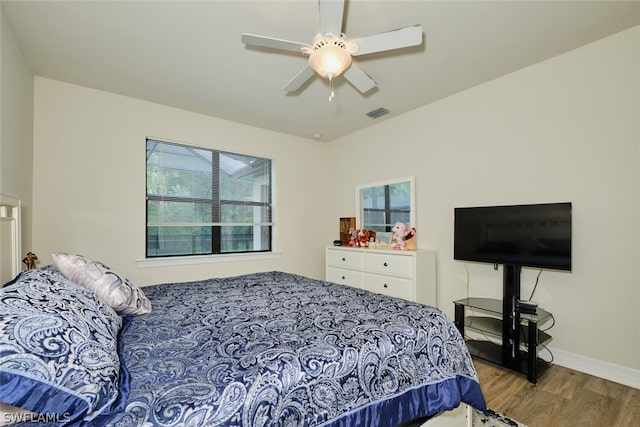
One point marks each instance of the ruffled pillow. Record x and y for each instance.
(115, 290)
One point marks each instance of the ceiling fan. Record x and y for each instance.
(330, 52)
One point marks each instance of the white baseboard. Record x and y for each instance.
(609, 371)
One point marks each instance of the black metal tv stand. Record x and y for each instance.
(504, 321)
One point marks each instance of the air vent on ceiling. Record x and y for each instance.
(378, 112)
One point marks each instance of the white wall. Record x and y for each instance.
(566, 129)
(89, 174)
(16, 126)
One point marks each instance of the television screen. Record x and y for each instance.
(536, 235)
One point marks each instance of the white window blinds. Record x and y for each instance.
(202, 201)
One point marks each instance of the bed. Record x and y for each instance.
(263, 349)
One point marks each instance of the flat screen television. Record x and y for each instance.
(536, 235)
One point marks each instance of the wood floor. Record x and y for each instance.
(562, 397)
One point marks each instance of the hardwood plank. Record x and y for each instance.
(561, 382)
(562, 397)
(630, 415)
(606, 388)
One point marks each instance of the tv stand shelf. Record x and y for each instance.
(492, 327)
(502, 333)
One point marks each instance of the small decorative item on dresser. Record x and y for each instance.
(346, 224)
(410, 241)
(404, 237)
(30, 260)
(361, 238)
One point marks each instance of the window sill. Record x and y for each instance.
(205, 259)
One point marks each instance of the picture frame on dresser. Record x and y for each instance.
(346, 224)
(384, 237)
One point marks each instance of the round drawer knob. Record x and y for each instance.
(385, 286)
(343, 259)
(385, 264)
(344, 278)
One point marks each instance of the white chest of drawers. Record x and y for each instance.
(404, 274)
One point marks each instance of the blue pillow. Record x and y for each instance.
(58, 347)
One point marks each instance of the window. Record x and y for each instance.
(383, 204)
(202, 201)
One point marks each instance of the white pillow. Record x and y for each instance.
(115, 290)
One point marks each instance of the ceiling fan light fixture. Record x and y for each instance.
(329, 60)
(330, 50)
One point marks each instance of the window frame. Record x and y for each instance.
(216, 203)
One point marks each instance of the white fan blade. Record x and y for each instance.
(396, 39)
(331, 16)
(359, 78)
(300, 79)
(262, 41)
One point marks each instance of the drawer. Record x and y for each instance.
(345, 259)
(352, 278)
(393, 264)
(391, 286)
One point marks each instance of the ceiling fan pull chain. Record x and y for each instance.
(332, 93)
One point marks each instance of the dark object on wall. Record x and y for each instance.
(537, 235)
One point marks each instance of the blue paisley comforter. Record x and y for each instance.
(277, 349)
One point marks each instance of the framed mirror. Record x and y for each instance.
(380, 205)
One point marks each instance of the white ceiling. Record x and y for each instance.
(188, 54)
